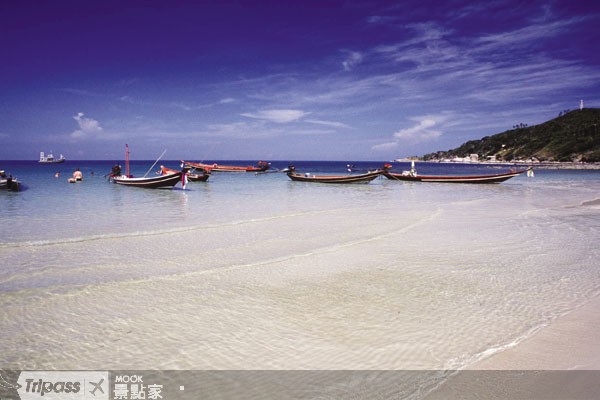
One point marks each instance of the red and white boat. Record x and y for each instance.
(261, 166)
(413, 176)
(154, 182)
(192, 177)
(167, 180)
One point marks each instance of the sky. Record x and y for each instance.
(286, 80)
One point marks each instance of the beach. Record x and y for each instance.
(571, 342)
(380, 277)
(558, 361)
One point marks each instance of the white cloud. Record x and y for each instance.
(237, 130)
(381, 20)
(528, 35)
(421, 131)
(353, 58)
(278, 116)
(332, 124)
(87, 126)
(431, 48)
(385, 146)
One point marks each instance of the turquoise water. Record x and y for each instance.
(51, 209)
(253, 271)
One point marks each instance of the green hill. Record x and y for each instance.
(573, 136)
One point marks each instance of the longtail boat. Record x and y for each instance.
(261, 166)
(362, 178)
(413, 176)
(192, 177)
(154, 182)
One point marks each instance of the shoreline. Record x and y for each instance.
(536, 165)
(560, 360)
(570, 342)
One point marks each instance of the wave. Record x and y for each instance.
(464, 362)
(125, 235)
(595, 202)
(87, 275)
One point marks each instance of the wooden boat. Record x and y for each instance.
(192, 177)
(261, 166)
(413, 176)
(49, 158)
(362, 178)
(7, 182)
(154, 182)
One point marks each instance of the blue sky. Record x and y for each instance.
(286, 80)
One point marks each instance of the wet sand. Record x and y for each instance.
(560, 361)
(571, 342)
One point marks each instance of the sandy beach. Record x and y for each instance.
(377, 291)
(571, 342)
(559, 361)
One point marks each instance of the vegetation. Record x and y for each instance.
(572, 136)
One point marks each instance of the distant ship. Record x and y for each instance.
(49, 159)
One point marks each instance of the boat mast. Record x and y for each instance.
(127, 160)
(147, 172)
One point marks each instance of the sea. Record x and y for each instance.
(255, 272)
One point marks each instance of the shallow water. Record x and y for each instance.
(258, 272)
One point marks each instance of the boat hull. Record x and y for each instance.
(157, 182)
(198, 177)
(191, 176)
(363, 178)
(12, 185)
(490, 178)
(263, 166)
(225, 168)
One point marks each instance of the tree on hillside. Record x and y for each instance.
(574, 135)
